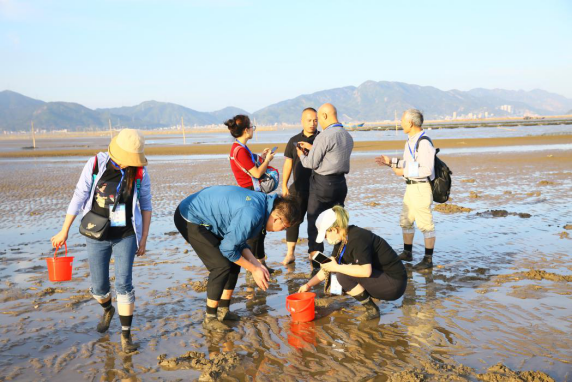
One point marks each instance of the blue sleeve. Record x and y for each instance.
(240, 229)
(145, 192)
(82, 190)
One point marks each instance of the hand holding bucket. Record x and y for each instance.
(60, 268)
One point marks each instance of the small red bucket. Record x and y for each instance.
(60, 268)
(301, 306)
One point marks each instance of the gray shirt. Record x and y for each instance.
(424, 157)
(330, 153)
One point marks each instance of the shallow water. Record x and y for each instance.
(278, 136)
(475, 308)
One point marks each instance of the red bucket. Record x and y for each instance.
(301, 306)
(60, 268)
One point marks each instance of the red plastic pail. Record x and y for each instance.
(301, 306)
(60, 268)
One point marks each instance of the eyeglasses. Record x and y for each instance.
(254, 127)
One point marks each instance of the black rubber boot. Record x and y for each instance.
(103, 324)
(224, 314)
(426, 263)
(405, 256)
(372, 311)
(212, 323)
(127, 345)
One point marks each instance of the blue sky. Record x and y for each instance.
(207, 55)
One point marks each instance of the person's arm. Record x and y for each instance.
(261, 274)
(146, 211)
(81, 194)
(316, 153)
(287, 169)
(395, 163)
(355, 270)
(320, 276)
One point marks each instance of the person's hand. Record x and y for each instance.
(269, 157)
(285, 190)
(141, 249)
(383, 160)
(264, 153)
(261, 276)
(304, 288)
(59, 239)
(331, 266)
(305, 145)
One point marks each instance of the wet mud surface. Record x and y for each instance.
(496, 306)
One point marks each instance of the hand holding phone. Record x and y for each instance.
(274, 149)
(299, 146)
(321, 258)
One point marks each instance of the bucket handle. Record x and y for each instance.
(58, 247)
(305, 308)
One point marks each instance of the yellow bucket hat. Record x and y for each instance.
(126, 148)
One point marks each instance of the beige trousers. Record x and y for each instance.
(417, 207)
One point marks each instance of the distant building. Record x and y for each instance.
(454, 115)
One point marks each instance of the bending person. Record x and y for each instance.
(113, 183)
(217, 222)
(363, 263)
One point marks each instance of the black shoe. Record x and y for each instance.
(212, 323)
(372, 312)
(224, 314)
(103, 324)
(405, 256)
(127, 344)
(426, 263)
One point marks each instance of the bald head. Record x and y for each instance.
(327, 115)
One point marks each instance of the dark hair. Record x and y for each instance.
(309, 108)
(130, 173)
(238, 124)
(288, 208)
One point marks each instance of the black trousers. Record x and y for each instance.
(379, 285)
(326, 191)
(302, 199)
(223, 273)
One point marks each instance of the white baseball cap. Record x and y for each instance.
(324, 221)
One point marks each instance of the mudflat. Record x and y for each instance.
(496, 307)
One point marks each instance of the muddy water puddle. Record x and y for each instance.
(500, 291)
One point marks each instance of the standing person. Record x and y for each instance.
(301, 175)
(363, 263)
(111, 182)
(417, 168)
(329, 159)
(244, 167)
(217, 222)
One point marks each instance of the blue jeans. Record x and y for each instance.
(99, 256)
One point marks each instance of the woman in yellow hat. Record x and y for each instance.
(114, 195)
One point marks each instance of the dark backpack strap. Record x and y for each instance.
(421, 139)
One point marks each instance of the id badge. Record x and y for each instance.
(335, 287)
(413, 170)
(117, 218)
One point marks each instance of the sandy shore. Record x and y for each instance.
(358, 146)
(500, 293)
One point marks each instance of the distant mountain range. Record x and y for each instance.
(371, 101)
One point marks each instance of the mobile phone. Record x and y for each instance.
(321, 258)
(298, 146)
(274, 149)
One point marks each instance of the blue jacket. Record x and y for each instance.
(234, 213)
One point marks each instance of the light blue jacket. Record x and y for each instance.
(234, 213)
(84, 193)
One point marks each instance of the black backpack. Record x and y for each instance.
(442, 182)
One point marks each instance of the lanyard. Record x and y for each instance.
(335, 125)
(120, 181)
(341, 254)
(408, 143)
(246, 148)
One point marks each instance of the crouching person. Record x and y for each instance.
(363, 264)
(217, 222)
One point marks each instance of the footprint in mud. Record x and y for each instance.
(212, 368)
